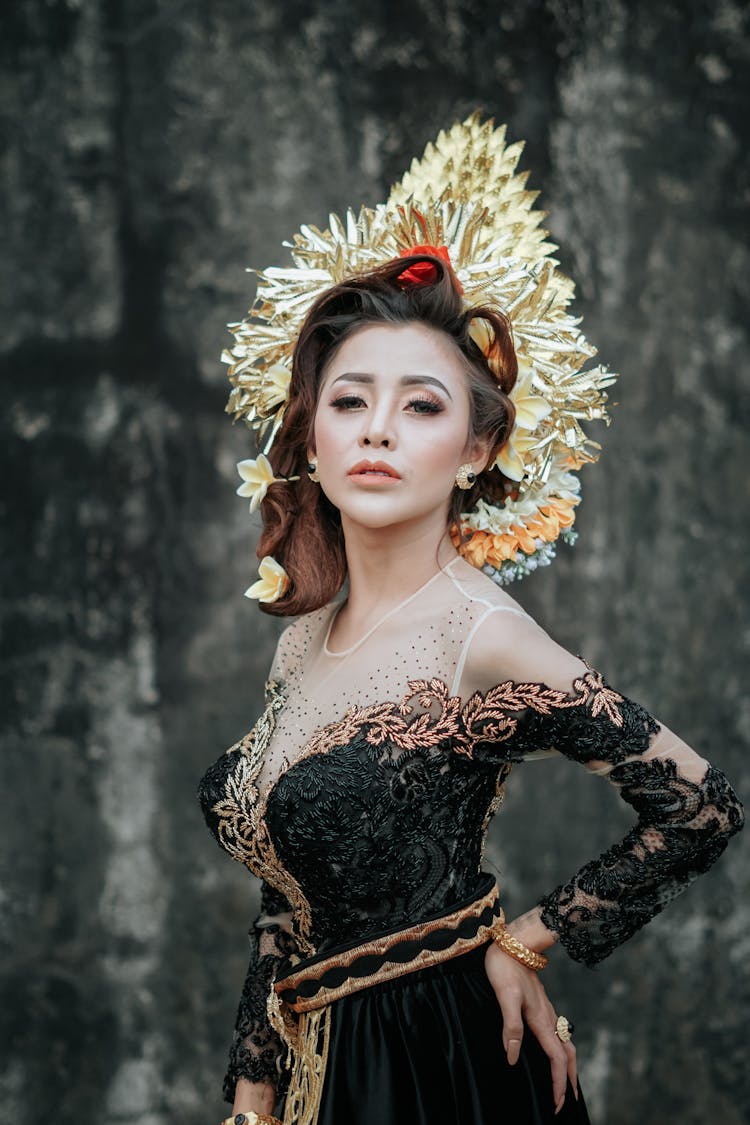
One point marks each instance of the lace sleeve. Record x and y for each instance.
(256, 1052)
(553, 702)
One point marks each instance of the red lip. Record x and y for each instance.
(374, 467)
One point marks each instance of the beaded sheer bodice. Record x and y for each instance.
(363, 794)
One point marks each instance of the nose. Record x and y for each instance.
(375, 439)
(378, 431)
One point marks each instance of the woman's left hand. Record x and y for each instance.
(523, 1001)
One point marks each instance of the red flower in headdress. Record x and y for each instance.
(425, 273)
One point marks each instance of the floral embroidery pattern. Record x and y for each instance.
(592, 686)
(236, 817)
(427, 717)
(683, 827)
(491, 716)
(392, 828)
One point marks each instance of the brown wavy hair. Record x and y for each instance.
(301, 528)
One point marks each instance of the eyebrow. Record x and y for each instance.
(405, 380)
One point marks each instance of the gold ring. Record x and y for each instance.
(563, 1029)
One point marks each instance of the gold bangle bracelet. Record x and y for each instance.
(516, 949)
(252, 1118)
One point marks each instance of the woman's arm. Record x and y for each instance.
(524, 1003)
(258, 1097)
(687, 811)
(531, 930)
(533, 698)
(547, 700)
(254, 1075)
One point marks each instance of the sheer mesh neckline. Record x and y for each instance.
(421, 638)
(338, 606)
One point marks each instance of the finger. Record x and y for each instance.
(557, 1055)
(543, 1022)
(559, 1067)
(570, 1055)
(513, 1050)
(509, 1000)
(570, 1051)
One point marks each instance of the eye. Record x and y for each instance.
(424, 404)
(348, 402)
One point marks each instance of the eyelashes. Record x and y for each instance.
(418, 404)
(347, 402)
(425, 404)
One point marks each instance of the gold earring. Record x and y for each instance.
(312, 471)
(465, 477)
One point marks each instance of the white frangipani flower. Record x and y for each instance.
(272, 584)
(275, 387)
(531, 409)
(256, 475)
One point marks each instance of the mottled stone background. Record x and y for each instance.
(153, 149)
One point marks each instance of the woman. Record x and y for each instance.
(385, 985)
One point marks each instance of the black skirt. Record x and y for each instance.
(427, 1049)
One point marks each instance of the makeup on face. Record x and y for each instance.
(374, 473)
(392, 424)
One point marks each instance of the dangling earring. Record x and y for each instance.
(312, 471)
(465, 477)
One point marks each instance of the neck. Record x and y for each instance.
(386, 565)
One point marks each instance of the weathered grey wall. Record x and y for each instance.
(153, 150)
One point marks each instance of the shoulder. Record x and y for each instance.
(507, 644)
(298, 638)
(473, 586)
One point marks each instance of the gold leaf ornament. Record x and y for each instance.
(466, 195)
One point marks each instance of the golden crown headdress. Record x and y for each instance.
(464, 197)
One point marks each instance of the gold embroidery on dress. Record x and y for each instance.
(487, 717)
(493, 806)
(605, 698)
(379, 946)
(388, 970)
(242, 829)
(302, 1103)
(389, 722)
(500, 702)
(284, 1023)
(391, 970)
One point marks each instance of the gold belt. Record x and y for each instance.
(299, 1004)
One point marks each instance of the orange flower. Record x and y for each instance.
(487, 548)
(474, 551)
(501, 548)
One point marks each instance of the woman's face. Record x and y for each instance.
(392, 425)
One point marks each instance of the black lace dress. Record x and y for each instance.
(362, 798)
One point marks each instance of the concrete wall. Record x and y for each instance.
(154, 148)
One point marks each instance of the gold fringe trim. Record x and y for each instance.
(302, 1104)
(284, 1024)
